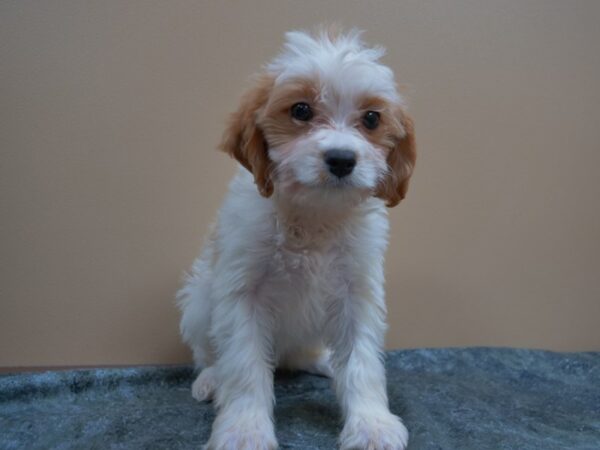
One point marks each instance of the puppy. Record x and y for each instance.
(292, 273)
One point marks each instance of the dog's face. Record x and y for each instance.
(325, 122)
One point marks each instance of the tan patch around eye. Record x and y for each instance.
(389, 130)
(276, 120)
(373, 104)
(293, 91)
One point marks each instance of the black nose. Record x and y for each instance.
(340, 162)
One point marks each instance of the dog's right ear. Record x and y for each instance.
(244, 140)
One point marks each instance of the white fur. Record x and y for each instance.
(344, 63)
(296, 279)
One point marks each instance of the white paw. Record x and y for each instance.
(247, 435)
(204, 386)
(377, 432)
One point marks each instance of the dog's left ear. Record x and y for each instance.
(244, 140)
(401, 162)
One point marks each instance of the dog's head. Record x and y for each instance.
(325, 121)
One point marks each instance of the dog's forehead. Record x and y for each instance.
(341, 67)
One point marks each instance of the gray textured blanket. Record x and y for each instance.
(475, 398)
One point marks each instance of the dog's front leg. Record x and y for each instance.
(359, 374)
(244, 396)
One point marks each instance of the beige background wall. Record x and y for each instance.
(110, 112)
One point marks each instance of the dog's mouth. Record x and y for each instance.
(340, 188)
(326, 179)
(339, 183)
(321, 183)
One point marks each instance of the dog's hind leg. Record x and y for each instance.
(313, 360)
(205, 384)
(195, 303)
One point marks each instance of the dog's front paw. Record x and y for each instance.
(376, 432)
(242, 433)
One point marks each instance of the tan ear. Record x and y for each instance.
(243, 139)
(401, 162)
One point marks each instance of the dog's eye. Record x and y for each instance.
(371, 120)
(302, 111)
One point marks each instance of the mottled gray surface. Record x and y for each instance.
(477, 398)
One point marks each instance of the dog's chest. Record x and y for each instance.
(307, 271)
(306, 266)
(304, 272)
(303, 255)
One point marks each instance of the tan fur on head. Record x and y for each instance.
(244, 140)
(401, 161)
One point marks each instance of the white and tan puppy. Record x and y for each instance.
(292, 273)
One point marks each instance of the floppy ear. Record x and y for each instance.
(401, 161)
(243, 139)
